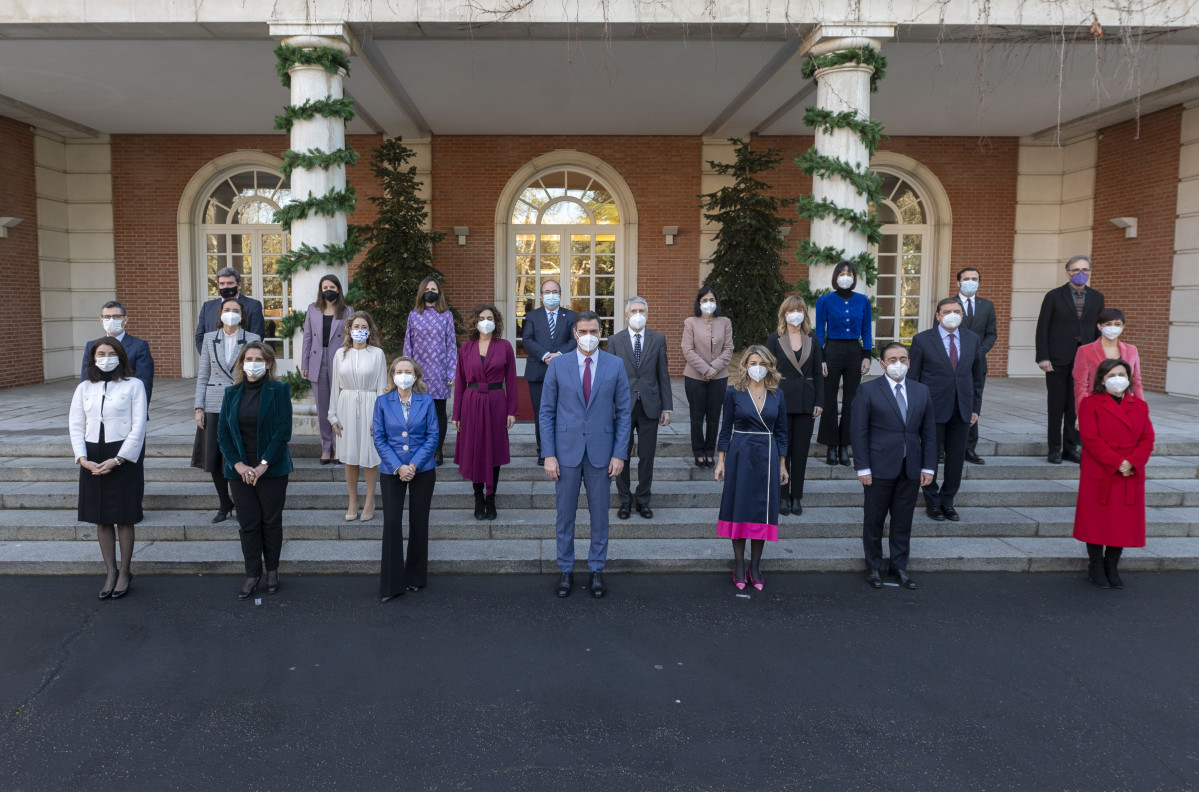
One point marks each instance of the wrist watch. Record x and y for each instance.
(263, 463)
(119, 461)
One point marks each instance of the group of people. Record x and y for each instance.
(388, 422)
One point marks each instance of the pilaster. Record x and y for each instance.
(1182, 366)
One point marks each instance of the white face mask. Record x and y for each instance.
(486, 326)
(254, 368)
(113, 326)
(107, 364)
(231, 318)
(845, 281)
(969, 288)
(551, 300)
(404, 381)
(756, 373)
(360, 336)
(1111, 332)
(637, 321)
(897, 371)
(1116, 384)
(589, 343)
(795, 318)
(950, 321)
(708, 307)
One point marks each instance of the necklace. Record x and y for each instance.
(757, 397)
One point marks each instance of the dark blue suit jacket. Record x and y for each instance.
(140, 360)
(881, 438)
(208, 317)
(930, 366)
(535, 335)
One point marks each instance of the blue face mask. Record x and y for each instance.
(551, 300)
(1079, 278)
(969, 288)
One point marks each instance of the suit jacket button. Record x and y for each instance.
(403, 434)
(405, 448)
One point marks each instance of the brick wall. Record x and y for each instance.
(663, 173)
(980, 180)
(19, 252)
(1137, 176)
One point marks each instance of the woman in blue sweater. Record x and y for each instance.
(843, 328)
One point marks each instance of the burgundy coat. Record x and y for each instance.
(1111, 507)
(483, 432)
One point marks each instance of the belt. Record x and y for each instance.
(486, 386)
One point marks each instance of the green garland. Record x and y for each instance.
(866, 181)
(330, 59)
(868, 129)
(865, 56)
(291, 323)
(327, 205)
(861, 222)
(296, 383)
(306, 256)
(327, 107)
(315, 158)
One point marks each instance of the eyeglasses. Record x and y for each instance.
(1078, 269)
(112, 316)
(551, 292)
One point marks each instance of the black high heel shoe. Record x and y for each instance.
(118, 594)
(245, 593)
(699, 462)
(831, 457)
(106, 593)
(272, 588)
(844, 456)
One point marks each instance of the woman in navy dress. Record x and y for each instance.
(843, 328)
(750, 454)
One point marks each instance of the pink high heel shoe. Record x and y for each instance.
(740, 584)
(758, 584)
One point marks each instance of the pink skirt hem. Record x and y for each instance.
(747, 530)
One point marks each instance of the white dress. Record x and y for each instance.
(359, 376)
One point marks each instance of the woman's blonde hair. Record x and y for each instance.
(373, 340)
(417, 387)
(268, 357)
(741, 380)
(793, 303)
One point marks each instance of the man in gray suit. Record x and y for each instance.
(548, 332)
(980, 319)
(644, 354)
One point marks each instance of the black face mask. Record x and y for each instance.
(330, 294)
(431, 296)
(228, 293)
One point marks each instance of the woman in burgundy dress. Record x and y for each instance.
(432, 342)
(484, 405)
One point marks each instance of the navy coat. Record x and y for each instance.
(931, 367)
(535, 335)
(256, 324)
(880, 435)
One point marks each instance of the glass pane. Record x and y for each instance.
(885, 328)
(525, 287)
(580, 287)
(607, 214)
(526, 243)
(270, 265)
(890, 182)
(605, 307)
(887, 264)
(911, 286)
(214, 264)
(890, 244)
(911, 265)
(566, 212)
(886, 304)
(214, 243)
(241, 243)
(597, 196)
(605, 243)
(886, 214)
(550, 243)
(255, 212)
(273, 287)
(535, 197)
(272, 307)
(525, 265)
(272, 244)
(909, 207)
(549, 265)
(524, 214)
(212, 287)
(912, 243)
(580, 244)
(607, 327)
(579, 304)
(605, 265)
(580, 265)
(910, 306)
(554, 183)
(241, 264)
(907, 329)
(605, 287)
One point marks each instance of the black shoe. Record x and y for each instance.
(540, 461)
(489, 507)
(904, 580)
(709, 462)
(389, 597)
(222, 515)
(974, 459)
(784, 507)
(1097, 574)
(480, 506)
(1054, 458)
(645, 511)
(245, 593)
(935, 513)
(565, 584)
(624, 511)
(106, 593)
(596, 585)
(413, 588)
(874, 580)
(1072, 456)
(796, 507)
(951, 514)
(843, 456)
(122, 592)
(272, 588)
(327, 460)
(1111, 568)
(700, 462)
(831, 457)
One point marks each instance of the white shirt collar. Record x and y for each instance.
(634, 333)
(901, 384)
(964, 299)
(121, 337)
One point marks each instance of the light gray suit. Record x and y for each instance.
(649, 385)
(216, 370)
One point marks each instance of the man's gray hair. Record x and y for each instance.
(225, 272)
(1079, 257)
(635, 299)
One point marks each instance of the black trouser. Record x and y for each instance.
(535, 398)
(897, 497)
(260, 520)
(646, 429)
(951, 436)
(972, 437)
(222, 489)
(395, 575)
(844, 360)
(704, 399)
(442, 422)
(799, 441)
(1060, 386)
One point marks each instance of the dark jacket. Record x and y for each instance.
(803, 390)
(882, 441)
(650, 381)
(535, 336)
(983, 324)
(1059, 330)
(140, 360)
(947, 385)
(255, 322)
(274, 430)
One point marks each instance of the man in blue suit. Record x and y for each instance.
(586, 419)
(948, 359)
(114, 317)
(547, 333)
(894, 434)
(228, 283)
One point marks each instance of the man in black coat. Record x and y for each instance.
(1069, 318)
(114, 317)
(980, 319)
(228, 282)
(949, 361)
(894, 436)
(547, 333)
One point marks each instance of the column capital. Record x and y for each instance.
(823, 39)
(336, 35)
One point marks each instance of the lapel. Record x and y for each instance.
(398, 409)
(889, 390)
(1068, 296)
(1118, 409)
(596, 368)
(234, 429)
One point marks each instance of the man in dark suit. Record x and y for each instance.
(547, 333)
(979, 319)
(1069, 318)
(948, 360)
(644, 354)
(114, 317)
(228, 282)
(894, 435)
(585, 421)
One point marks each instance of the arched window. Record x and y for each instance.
(237, 230)
(903, 288)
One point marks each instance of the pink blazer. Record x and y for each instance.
(1087, 360)
(310, 355)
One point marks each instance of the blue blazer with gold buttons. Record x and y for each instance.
(405, 442)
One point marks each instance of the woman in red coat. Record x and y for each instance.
(484, 405)
(1107, 347)
(1117, 440)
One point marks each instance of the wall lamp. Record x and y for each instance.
(670, 232)
(785, 231)
(7, 223)
(462, 232)
(1129, 224)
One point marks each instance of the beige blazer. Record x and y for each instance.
(707, 344)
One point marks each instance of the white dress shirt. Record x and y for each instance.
(968, 305)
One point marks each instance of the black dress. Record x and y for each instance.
(114, 498)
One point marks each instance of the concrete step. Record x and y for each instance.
(630, 555)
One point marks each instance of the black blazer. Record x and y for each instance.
(1059, 330)
(803, 391)
(535, 335)
(947, 385)
(882, 441)
(140, 360)
(255, 323)
(651, 381)
(982, 324)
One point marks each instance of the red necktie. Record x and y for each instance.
(587, 381)
(953, 353)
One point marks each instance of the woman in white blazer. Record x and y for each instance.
(359, 377)
(108, 432)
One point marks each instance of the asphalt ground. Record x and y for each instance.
(974, 682)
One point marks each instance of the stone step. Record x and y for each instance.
(1029, 554)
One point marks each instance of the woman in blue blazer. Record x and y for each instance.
(253, 430)
(405, 431)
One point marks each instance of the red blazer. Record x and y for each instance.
(1111, 506)
(1087, 360)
